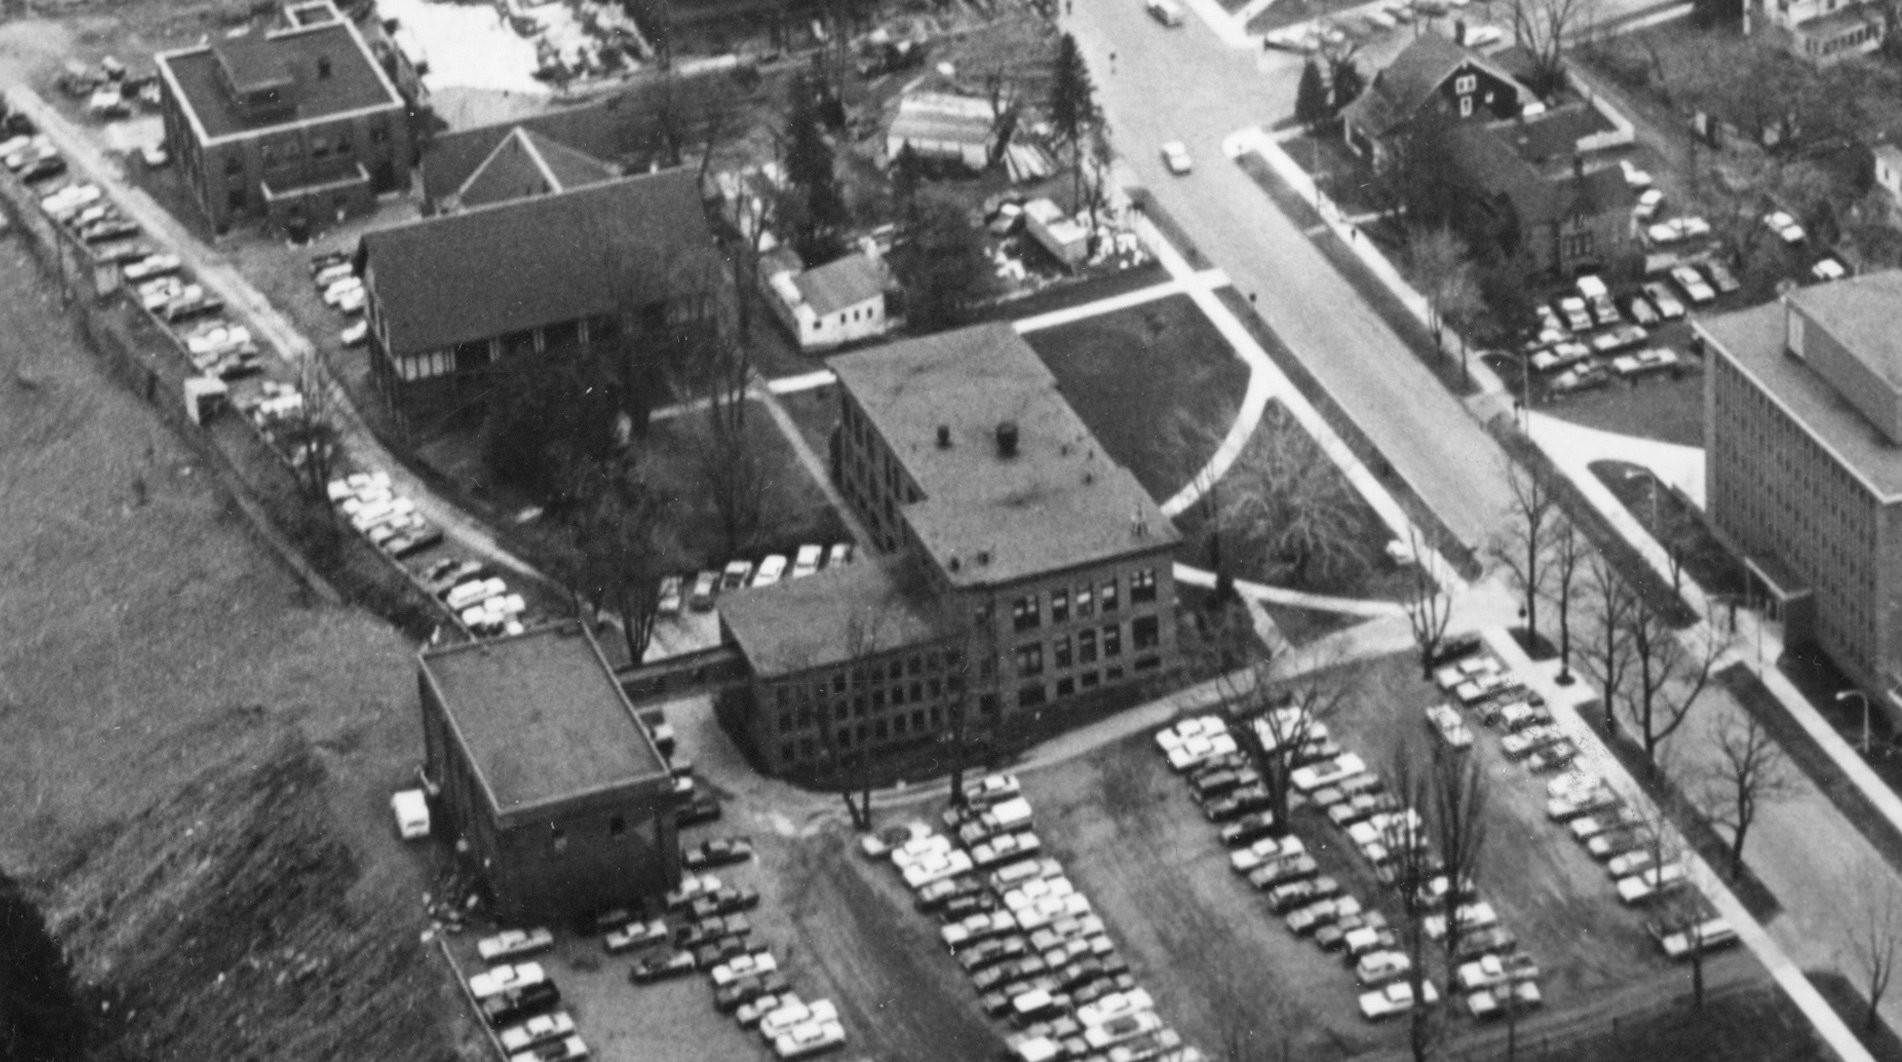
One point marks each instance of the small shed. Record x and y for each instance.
(945, 128)
(1066, 239)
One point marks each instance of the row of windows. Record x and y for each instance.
(1026, 613)
(1855, 38)
(848, 317)
(1144, 631)
(291, 149)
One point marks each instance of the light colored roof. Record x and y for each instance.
(834, 286)
(873, 606)
(930, 116)
(541, 717)
(1754, 340)
(1864, 314)
(1058, 502)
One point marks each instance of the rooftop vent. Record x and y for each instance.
(984, 556)
(944, 436)
(1007, 439)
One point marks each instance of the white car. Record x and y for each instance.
(1659, 879)
(1650, 201)
(538, 1030)
(1634, 176)
(1266, 850)
(795, 1014)
(691, 888)
(1395, 999)
(1695, 287)
(356, 335)
(806, 561)
(499, 979)
(945, 865)
(1828, 269)
(1114, 1005)
(1196, 750)
(920, 849)
(1315, 775)
(771, 570)
(1126, 1027)
(754, 962)
(809, 1039)
(1379, 967)
(1175, 155)
(1785, 226)
(513, 943)
(991, 789)
(1170, 738)
(669, 601)
(1481, 36)
(978, 927)
(840, 553)
(1668, 307)
(1449, 726)
(881, 844)
(567, 1049)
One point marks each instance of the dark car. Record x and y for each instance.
(662, 966)
(43, 169)
(728, 899)
(1249, 828)
(736, 994)
(710, 931)
(715, 952)
(958, 908)
(511, 1006)
(699, 809)
(1243, 801)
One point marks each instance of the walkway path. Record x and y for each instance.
(1206, 280)
(1681, 467)
(250, 306)
(821, 475)
(1283, 596)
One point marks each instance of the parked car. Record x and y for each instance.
(771, 570)
(1721, 277)
(633, 935)
(1661, 297)
(1395, 999)
(514, 943)
(669, 601)
(718, 852)
(566, 1049)
(662, 966)
(1175, 155)
(1579, 378)
(727, 900)
(698, 809)
(518, 1004)
(809, 1039)
(536, 1031)
(744, 965)
(1645, 362)
(1167, 12)
(1785, 226)
(1376, 968)
(1619, 338)
(1618, 841)
(1249, 828)
(735, 994)
(1650, 201)
(737, 574)
(1650, 884)
(806, 561)
(1693, 285)
(498, 979)
(705, 585)
(1555, 756)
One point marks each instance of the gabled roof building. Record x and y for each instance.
(1431, 72)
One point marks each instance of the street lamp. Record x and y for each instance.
(1864, 698)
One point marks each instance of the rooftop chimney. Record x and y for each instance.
(944, 436)
(1007, 439)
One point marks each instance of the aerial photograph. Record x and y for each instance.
(950, 530)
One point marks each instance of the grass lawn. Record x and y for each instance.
(164, 679)
(1677, 525)
(1132, 373)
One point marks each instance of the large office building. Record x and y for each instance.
(1803, 424)
(541, 770)
(1022, 570)
(299, 122)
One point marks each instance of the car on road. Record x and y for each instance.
(662, 966)
(514, 943)
(1395, 999)
(1666, 302)
(1175, 155)
(536, 1031)
(1167, 12)
(498, 979)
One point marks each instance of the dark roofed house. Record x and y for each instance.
(294, 122)
(525, 164)
(1026, 572)
(525, 275)
(539, 766)
(1568, 220)
(1431, 71)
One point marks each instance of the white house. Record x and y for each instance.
(1063, 236)
(828, 306)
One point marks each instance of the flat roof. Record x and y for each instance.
(1753, 339)
(354, 82)
(869, 607)
(1864, 314)
(1060, 501)
(541, 717)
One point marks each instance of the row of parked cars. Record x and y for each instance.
(1036, 952)
(335, 276)
(1585, 338)
(1375, 19)
(677, 592)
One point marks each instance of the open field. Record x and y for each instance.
(198, 758)
(1131, 374)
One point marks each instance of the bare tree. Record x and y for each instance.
(1665, 678)
(1459, 795)
(1295, 715)
(1444, 272)
(1608, 659)
(1872, 941)
(1283, 500)
(307, 435)
(1570, 550)
(1751, 770)
(1429, 609)
(1412, 867)
(1543, 28)
(1526, 545)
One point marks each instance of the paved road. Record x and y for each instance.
(1184, 84)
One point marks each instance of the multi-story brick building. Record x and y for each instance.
(540, 768)
(1026, 572)
(297, 122)
(1803, 426)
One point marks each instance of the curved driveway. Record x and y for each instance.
(1186, 84)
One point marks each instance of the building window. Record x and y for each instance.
(1086, 646)
(1030, 659)
(1142, 586)
(1148, 663)
(236, 199)
(1024, 613)
(1465, 83)
(1146, 632)
(617, 826)
(986, 704)
(1090, 680)
(1109, 597)
(1061, 647)
(1059, 606)
(1085, 602)
(1113, 640)
(1030, 696)
(1066, 687)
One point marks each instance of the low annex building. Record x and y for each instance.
(539, 766)
(1024, 572)
(296, 122)
(1803, 432)
(826, 306)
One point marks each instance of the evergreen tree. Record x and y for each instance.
(1348, 83)
(40, 1016)
(907, 175)
(940, 264)
(1310, 98)
(819, 214)
(1073, 111)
